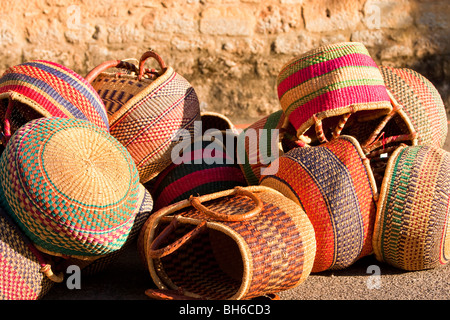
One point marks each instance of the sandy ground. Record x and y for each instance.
(367, 279)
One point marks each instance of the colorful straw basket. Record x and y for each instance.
(143, 210)
(147, 110)
(412, 229)
(261, 143)
(325, 86)
(70, 186)
(235, 244)
(204, 167)
(334, 185)
(41, 88)
(24, 271)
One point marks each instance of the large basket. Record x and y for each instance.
(335, 186)
(147, 110)
(412, 229)
(262, 142)
(41, 88)
(320, 89)
(70, 186)
(204, 167)
(25, 273)
(234, 244)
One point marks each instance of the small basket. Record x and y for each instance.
(235, 244)
(256, 143)
(146, 110)
(320, 89)
(412, 228)
(335, 186)
(70, 186)
(39, 88)
(25, 273)
(204, 167)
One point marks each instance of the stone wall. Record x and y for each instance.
(230, 50)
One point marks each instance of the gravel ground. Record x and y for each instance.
(367, 279)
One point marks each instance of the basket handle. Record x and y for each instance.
(6, 134)
(159, 253)
(110, 64)
(196, 203)
(164, 294)
(145, 56)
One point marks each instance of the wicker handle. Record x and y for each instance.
(46, 268)
(145, 56)
(110, 64)
(6, 134)
(163, 294)
(196, 203)
(159, 253)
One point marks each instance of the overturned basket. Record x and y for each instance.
(146, 110)
(25, 272)
(321, 89)
(334, 185)
(39, 88)
(70, 186)
(412, 229)
(236, 244)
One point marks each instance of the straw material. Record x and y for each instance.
(70, 186)
(333, 80)
(334, 185)
(44, 89)
(143, 210)
(20, 270)
(204, 167)
(256, 143)
(271, 251)
(421, 102)
(412, 229)
(145, 115)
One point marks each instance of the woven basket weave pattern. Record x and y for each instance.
(336, 189)
(20, 276)
(53, 90)
(271, 252)
(412, 227)
(82, 192)
(330, 81)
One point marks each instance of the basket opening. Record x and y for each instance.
(210, 265)
(20, 114)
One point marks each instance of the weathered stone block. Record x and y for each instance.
(227, 20)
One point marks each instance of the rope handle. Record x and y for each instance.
(159, 253)
(144, 57)
(119, 64)
(196, 203)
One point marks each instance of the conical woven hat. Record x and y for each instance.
(70, 186)
(412, 229)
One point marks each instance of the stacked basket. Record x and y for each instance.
(351, 165)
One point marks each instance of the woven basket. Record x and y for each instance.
(41, 88)
(256, 143)
(70, 186)
(412, 229)
(25, 273)
(143, 210)
(204, 167)
(147, 110)
(320, 89)
(334, 185)
(235, 244)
